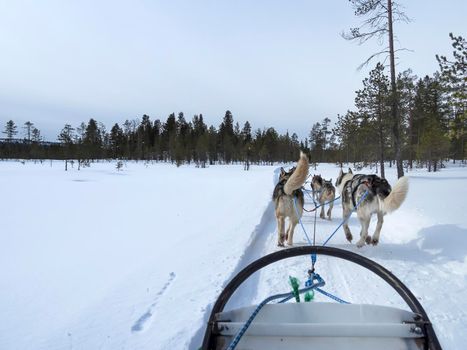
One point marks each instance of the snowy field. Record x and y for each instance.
(134, 259)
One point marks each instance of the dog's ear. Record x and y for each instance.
(350, 171)
(330, 180)
(282, 171)
(341, 173)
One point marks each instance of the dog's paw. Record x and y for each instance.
(368, 240)
(349, 237)
(360, 244)
(280, 244)
(374, 241)
(290, 244)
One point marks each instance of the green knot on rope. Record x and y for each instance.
(309, 296)
(295, 284)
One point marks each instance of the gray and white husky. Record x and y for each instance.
(288, 199)
(323, 192)
(381, 199)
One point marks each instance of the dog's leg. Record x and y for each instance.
(290, 231)
(331, 205)
(348, 234)
(280, 232)
(321, 215)
(379, 225)
(365, 222)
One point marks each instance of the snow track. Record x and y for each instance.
(255, 248)
(142, 322)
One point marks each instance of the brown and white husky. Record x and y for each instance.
(324, 192)
(287, 191)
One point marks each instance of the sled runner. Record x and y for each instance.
(318, 325)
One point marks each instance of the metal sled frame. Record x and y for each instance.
(429, 341)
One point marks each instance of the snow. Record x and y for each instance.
(134, 259)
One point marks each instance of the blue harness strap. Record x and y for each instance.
(347, 218)
(284, 297)
(314, 201)
(333, 297)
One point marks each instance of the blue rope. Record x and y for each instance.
(329, 295)
(300, 221)
(285, 297)
(312, 197)
(347, 218)
(313, 255)
(242, 331)
(314, 201)
(335, 199)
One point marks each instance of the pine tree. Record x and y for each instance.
(373, 104)
(157, 131)
(66, 139)
(36, 135)
(226, 137)
(92, 140)
(202, 148)
(200, 140)
(212, 145)
(169, 134)
(117, 141)
(316, 142)
(433, 144)
(28, 129)
(406, 87)
(347, 134)
(380, 17)
(454, 82)
(246, 145)
(10, 130)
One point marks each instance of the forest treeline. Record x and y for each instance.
(432, 111)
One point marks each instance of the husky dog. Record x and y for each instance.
(287, 191)
(316, 186)
(325, 192)
(381, 199)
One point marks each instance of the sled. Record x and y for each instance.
(320, 325)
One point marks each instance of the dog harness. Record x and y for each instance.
(354, 190)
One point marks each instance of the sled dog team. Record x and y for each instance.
(370, 193)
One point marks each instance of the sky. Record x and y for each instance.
(273, 63)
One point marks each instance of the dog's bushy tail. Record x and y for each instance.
(397, 195)
(298, 178)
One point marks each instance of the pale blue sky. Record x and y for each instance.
(274, 63)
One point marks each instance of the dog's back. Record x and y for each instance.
(328, 192)
(326, 196)
(377, 189)
(316, 183)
